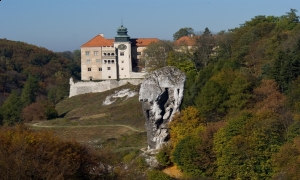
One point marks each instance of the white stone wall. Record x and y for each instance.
(92, 87)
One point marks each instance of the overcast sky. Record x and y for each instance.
(64, 25)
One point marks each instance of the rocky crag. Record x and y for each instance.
(161, 94)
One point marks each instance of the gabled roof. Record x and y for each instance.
(101, 41)
(98, 41)
(144, 41)
(186, 41)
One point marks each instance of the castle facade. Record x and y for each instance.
(118, 58)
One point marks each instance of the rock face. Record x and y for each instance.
(161, 94)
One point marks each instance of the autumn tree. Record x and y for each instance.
(41, 155)
(156, 54)
(286, 161)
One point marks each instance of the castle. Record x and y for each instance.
(118, 58)
(114, 62)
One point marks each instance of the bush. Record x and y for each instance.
(157, 175)
(163, 156)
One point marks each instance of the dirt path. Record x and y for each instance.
(66, 126)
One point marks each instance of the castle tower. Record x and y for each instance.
(122, 45)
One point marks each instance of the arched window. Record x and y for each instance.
(108, 54)
(108, 61)
(112, 61)
(105, 61)
(104, 54)
(112, 54)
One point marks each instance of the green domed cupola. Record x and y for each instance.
(122, 35)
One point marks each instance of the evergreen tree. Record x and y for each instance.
(28, 92)
(11, 109)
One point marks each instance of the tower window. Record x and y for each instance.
(108, 68)
(122, 61)
(121, 53)
(109, 76)
(112, 61)
(122, 68)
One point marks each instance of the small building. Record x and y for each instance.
(118, 58)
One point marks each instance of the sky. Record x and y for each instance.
(64, 25)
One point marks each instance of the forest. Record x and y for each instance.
(240, 117)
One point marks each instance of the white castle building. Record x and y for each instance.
(118, 58)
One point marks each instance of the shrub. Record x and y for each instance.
(157, 175)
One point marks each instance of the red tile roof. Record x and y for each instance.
(101, 41)
(98, 41)
(186, 40)
(145, 41)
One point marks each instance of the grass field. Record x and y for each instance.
(84, 118)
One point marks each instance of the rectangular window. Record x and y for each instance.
(121, 53)
(95, 53)
(109, 77)
(87, 53)
(98, 60)
(100, 69)
(122, 68)
(139, 53)
(122, 61)
(89, 69)
(88, 61)
(108, 68)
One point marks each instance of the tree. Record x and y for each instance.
(27, 154)
(203, 49)
(29, 91)
(156, 54)
(187, 31)
(11, 109)
(210, 101)
(187, 123)
(286, 161)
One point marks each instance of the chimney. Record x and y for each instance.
(101, 35)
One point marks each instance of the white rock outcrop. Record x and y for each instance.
(161, 94)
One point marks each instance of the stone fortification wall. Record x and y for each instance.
(92, 87)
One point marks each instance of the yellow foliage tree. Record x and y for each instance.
(187, 123)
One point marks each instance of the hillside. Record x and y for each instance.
(85, 118)
(34, 78)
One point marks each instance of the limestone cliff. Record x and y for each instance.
(161, 94)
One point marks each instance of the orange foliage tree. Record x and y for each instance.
(25, 154)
